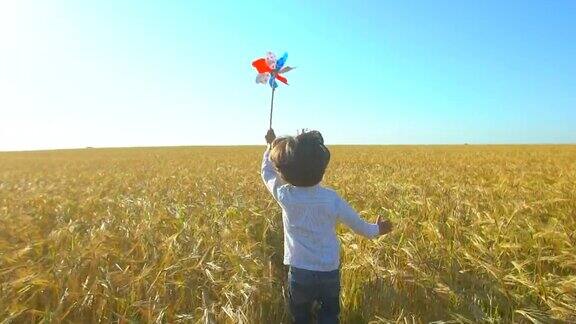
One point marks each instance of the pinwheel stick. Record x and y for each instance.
(271, 107)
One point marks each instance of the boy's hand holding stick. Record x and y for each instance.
(270, 137)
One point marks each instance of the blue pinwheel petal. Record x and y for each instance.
(281, 61)
(272, 82)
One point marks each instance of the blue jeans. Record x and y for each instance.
(305, 287)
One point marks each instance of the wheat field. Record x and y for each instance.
(189, 234)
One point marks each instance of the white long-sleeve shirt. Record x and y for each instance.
(309, 216)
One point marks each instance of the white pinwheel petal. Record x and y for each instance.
(271, 60)
(262, 77)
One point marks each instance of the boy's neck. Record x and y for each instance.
(309, 187)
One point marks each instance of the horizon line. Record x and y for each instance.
(257, 145)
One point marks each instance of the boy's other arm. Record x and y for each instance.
(350, 217)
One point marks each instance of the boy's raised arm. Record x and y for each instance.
(269, 174)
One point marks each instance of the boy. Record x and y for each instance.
(292, 169)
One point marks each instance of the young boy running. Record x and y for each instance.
(292, 169)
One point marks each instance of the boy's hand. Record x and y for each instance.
(270, 136)
(385, 226)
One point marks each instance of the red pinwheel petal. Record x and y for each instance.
(281, 79)
(261, 66)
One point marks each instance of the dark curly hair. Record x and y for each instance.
(301, 160)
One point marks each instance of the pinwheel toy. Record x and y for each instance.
(269, 70)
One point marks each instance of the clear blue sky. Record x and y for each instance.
(138, 73)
